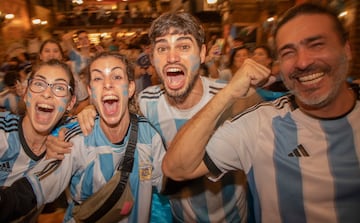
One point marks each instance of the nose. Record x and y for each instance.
(304, 59)
(48, 92)
(108, 83)
(172, 56)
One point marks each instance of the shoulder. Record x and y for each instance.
(151, 93)
(212, 86)
(72, 132)
(72, 129)
(146, 130)
(9, 122)
(145, 125)
(269, 108)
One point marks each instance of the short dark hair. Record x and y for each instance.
(144, 40)
(181, 23)
(10, 78)
(80, 31)
(311, 8)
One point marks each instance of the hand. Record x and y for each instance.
(86, 119)
(249, 76)
(56, 147)
(99, 49)
(214, 53)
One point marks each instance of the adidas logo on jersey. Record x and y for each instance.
(5, 167)
(299, 151)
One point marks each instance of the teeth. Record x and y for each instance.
(109, 97)
(174, 70)
(310, 77)
(45, 106)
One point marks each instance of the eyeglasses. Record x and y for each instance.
(39, 85)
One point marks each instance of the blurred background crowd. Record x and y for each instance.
(236, 30)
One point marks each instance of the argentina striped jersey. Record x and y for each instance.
(16, 157)
(202, 200)
(92, 163)
(300, 168)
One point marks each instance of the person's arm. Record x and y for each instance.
(184, 158)
(56, 146)
(212, 60)
(80, 106)
(86, 119)
(68, 42)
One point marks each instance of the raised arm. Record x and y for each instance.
(184, 158)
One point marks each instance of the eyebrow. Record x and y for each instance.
(39, 76)
(112, 69)
(178, 39)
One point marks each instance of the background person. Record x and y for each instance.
(51, 49)
(274, 88)
(237, 58)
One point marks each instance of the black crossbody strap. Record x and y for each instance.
(128, 161)
(126, 168)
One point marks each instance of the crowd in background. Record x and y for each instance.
(76, 49)
(224, 57)
(254, 151)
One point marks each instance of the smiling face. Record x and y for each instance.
(110, 89)
(45, 109)
(177, 60)
(313, 60)
(50, 51)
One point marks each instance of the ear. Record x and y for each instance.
(202, 53)
(89, 93)
(348, 50)
(88, 90)
(72, 103)
(131, 88)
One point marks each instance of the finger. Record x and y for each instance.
(80, 118)
(54, 155)
(57, 145)
(259, 67)
(62, 133)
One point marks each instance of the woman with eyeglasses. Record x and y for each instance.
(94, 158)
(51, 49)
(49, 94)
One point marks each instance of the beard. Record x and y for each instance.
(179, 96)
(337, 76)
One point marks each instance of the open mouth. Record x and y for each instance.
(312, 78)
(175, 77)
(45, 108)
(110, 103)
